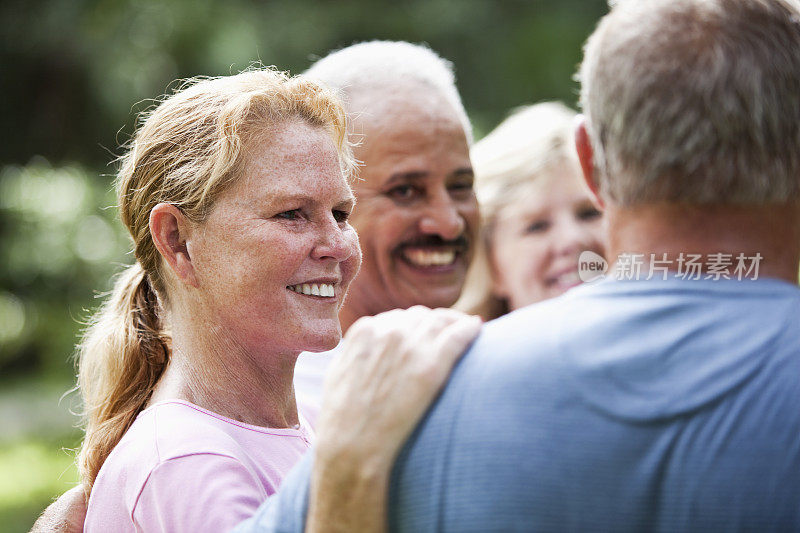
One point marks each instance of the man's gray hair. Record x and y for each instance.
(695, 101)
(385, 65)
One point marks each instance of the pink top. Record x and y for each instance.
(182, 468)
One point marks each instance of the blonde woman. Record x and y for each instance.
(537, 214)
(235, 193)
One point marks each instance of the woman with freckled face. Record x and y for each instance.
(537, 213)
(235, 192)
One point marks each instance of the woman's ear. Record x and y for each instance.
(170, 230)
(583, 145)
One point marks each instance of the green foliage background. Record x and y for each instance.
(74, 75)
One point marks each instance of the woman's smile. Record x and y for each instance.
(322, 290)
(277, 254)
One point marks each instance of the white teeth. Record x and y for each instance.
(314, 289)
(430, 258)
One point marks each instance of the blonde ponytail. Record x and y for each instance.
(121, 358)
(185, 152)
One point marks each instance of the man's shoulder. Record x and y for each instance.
(631, 328)
(537, 321)
(533, 334)
(590, 386)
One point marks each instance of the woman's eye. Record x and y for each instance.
(589, 213)
(292, 214)
(340, 216)
(537, 226)
(402, 192)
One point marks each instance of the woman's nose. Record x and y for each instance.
(335, 242)
(571, 237)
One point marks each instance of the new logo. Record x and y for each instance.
(591, 266)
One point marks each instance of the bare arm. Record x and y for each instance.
(391, 368)
(65, 515)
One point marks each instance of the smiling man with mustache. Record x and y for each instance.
(416, 213)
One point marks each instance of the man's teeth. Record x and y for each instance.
(313, 289)
(430, 258)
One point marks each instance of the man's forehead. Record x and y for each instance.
(409, 129)
(383, 106)
(412, 152)
(378, 123)
(375, 95)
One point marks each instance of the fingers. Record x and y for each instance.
(399, 345)
(392, 366)
(454, 339)
(433, 353)
(65, 515)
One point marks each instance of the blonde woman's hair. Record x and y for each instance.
(533, 144)
(185, 152)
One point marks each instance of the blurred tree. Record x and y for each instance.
(75, 73)
(57, 247)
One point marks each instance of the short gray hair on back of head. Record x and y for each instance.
(385, 64)
(695, 101)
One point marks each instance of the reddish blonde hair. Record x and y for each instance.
(185, 152)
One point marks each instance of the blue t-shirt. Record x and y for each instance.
(668, 405)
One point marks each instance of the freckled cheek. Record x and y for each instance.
(282, 254)
(352, 264)
(355, 246)
(219, 266)
(268, 259)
